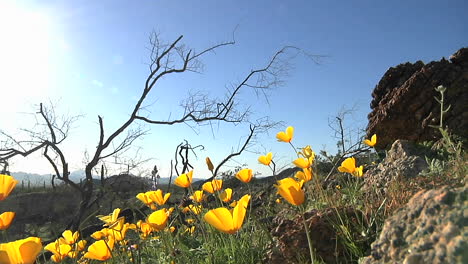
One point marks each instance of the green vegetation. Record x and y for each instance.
(229, 220)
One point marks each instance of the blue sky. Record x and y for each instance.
(90, 58)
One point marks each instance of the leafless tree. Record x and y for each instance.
(4, 164)
(46, 136)
(165, 59)
(349, 140)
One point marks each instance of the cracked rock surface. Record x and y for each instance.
(431, 228)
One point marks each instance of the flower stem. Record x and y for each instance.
(309, 240)
(294, 148)
(250, 202)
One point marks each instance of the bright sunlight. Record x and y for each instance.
(24, 49)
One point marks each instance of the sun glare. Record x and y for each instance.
(25, 54)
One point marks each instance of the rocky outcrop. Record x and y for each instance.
(127, 184)
(431, 228)
(291, 244)
(36, 211)
(404, 160)
(403, 105)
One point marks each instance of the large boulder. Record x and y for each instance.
(127, 184)
(41, 213)
(403, 105)
(431, 228)
(405, 160)
(290, 241)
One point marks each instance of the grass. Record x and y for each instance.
(352, 217)
(355, 229)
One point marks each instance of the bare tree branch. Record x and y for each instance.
(232, 155)
(166, 59)
(199, 109)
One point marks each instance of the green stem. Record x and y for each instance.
(294, 148)
(5, 236)
(309, 240)
(441, 109)
(233, 252)
(273, 169)
(250, 202)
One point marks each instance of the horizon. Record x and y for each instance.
(90, 61)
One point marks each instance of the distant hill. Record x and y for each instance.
(32, 178)
(39, 179)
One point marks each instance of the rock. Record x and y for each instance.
(291, 244)
(403, 105)
(431, 228)
(404, 161)
(125, 183)
(460, 57)
(36, 211)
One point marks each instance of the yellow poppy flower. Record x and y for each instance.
(7, 184)
(287, 135)
(190, 220)
(305, 175)
(308, 153)
(213, 186)
(266, 160)
(119, 235)
(245, 175)
(158, 219)
(144, 228)
(358, 171)
(228, 221)
(184, 180)
(349, 166)
(5, 220)
(59, 250)
(372, 141)
(73, 254)
(56, 258)
(157, 196)
(111, 218)
(303, 163)
(100, 250)
(197, 196)
(226, 195)
(68, 237)
(196, 209)
(190, 230)
(118, 230)
(101, 234)
(144, 198)
(291, 190)
(23, 251)
(80, 245)
(209, 164)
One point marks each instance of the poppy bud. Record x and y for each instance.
(209, 164)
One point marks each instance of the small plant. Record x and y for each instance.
(292, 190)
(208, 225)
(19, 251)
(448, 148)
